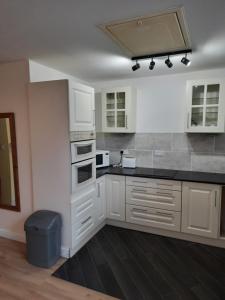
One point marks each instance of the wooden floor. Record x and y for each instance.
(135, 266)
(20, 280)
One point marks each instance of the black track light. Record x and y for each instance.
(186, 61)
(168, 62)
(152, 65)
(136, 66)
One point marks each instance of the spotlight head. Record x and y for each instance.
(186, 61)
(168, 62)
(152, 65)
(136, 66)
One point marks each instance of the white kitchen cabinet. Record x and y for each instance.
(81, 107)
(119, 110)
(201, 209)
(115, 197)
(100, 200)
(205, 106)
(158, 218)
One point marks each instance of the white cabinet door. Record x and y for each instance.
(81, 107)
(115, 197)
(200, 209)
(119, 110)
(100, 200)
(205, 106)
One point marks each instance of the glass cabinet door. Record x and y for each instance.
(205, 105)
(116, 116)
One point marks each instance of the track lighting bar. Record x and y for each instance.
(163, 54)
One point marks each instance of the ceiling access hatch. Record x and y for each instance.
(164, 32)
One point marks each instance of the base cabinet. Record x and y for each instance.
(115, 197)
(200, 209)
(100, 200)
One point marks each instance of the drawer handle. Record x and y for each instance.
(164, 184)
(139, 210)
(164, 194)
(136, 190)
(164, 214)
(140, 181)
(85, 221)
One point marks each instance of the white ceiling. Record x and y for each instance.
(63, 34)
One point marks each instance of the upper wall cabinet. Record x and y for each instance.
(205, 106)
(81, 107)
(119, 110)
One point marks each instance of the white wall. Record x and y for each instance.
(161, 100)
(14, 78)
(39, 72)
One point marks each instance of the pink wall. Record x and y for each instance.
(14, 77)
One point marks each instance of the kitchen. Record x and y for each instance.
(148, 222)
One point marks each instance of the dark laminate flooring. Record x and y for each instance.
(133, 265)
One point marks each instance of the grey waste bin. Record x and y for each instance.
(43, 236)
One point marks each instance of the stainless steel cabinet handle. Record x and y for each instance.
(94, 117)
(139, 210)
(188, 120)
(85, 221)
(98, 189)
(142, 191)
(164, 194)
(215, 198)
(164, 214)
(139, 181)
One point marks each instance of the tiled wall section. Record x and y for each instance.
(197, 152)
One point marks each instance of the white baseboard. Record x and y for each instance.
(12, 235)
(65, 252)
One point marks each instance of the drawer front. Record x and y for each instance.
(155, 198)
(83, 205)
(152, 217)
(154, 183)
(82, 228)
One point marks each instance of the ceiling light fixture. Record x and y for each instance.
(152, 64)
(186, 61)
(136, 66)
(168, 62)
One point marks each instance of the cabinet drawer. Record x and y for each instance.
(155, 198)
(152, 217)
(82, 228)
(154, 183)
(83, 204)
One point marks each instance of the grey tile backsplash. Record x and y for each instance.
(197, 152)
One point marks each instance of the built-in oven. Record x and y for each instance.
(83, 173)
(82, 150)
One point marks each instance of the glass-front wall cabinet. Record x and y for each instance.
(118, 113)
(205, 106)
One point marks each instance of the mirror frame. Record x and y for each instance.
(11, 117)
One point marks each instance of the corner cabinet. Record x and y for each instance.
(201, 209)
(119, 110)
(205, 106)
(81, 107)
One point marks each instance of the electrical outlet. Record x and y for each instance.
(125, 152)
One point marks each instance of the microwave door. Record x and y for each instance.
(83, 173)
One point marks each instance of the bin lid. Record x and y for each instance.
(43, 221)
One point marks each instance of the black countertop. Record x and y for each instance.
(204, 177)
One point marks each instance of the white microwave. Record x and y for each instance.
(102, 158)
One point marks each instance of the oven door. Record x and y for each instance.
(82, 150)
(83, 173)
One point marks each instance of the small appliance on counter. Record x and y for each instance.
(128, 162)
(102, 158)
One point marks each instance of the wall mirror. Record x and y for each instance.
(9, 183)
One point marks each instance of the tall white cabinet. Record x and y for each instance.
(205, 106)
(81, 107)
(200, 209)
(119, 110)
